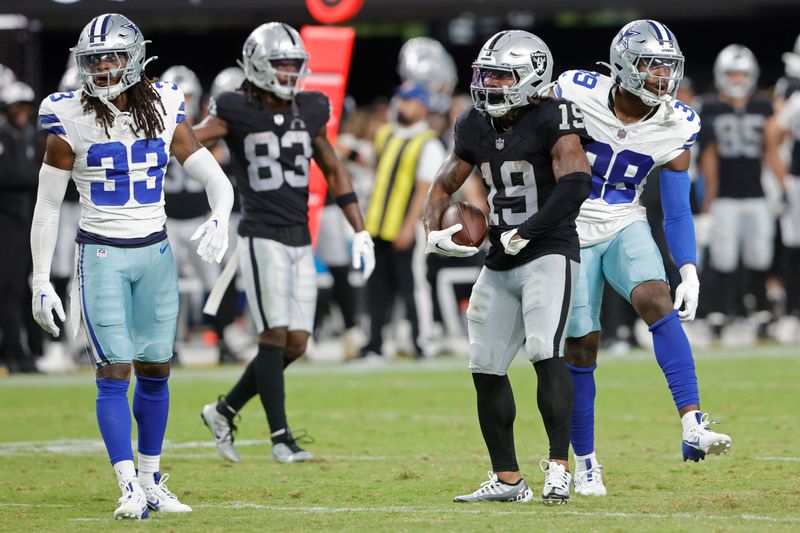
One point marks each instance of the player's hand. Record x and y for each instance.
(688, 292)
(213, 235)
(45, 301)
(512, 245)
(441, 242)
(364, 253)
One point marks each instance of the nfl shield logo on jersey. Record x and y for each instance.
(101, 253)
(499, 143)
(279, 120)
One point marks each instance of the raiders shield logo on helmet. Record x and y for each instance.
(539, 60)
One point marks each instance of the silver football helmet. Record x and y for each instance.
(188, 82)
(270, 48)
(110, 46)
(519, 54)
(647, 49)
(736, 58)
(228, 79)
(7, 76)
(71, 79)
(792, 60)
(425, 61)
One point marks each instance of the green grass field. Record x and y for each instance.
(397, 443)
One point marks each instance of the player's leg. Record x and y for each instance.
(724, 251)
(285, 445)
(580, 353)
(380, 297)
(105, 304)
(154, 322)
(633, 267)
(547, 286)
(758, 250)
(496, 334)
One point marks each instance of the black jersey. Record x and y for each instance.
(184, 197)
(517, 169)
(739, 136)
(270, 154)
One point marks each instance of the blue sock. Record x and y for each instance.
(674, 356)
(582, 437)
(151, 408)
(114, 418)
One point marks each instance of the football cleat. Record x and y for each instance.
(286, 450)
(222, 430)
(161, 499)
(556, 482)
(589, 480)
(699, 440)
(132, 503)
(495, 490)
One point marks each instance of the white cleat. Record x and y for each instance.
(132, 503)
(556, 483)
(699, 440)
(288, 451)
(161, 499)
(495, 490)
(222, 430)
(589, 481)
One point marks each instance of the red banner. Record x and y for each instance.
(330, 50)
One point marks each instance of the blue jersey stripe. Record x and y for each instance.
(179, 119)
(56, 130)
(48, 119)
(182, 107)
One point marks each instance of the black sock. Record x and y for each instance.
(496, 413)
(241, 393)
(554, 396)
(269, 380)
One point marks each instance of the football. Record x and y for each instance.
(473, 221)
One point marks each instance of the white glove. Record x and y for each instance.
(687, 293)
(45, 301)
(441, 242)
(512, 247)
(213, 235)
(364, 253)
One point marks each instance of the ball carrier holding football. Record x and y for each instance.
(530, 152)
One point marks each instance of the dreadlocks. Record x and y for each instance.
(142, 101)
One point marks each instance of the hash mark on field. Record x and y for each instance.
(789, 459)
(464, 509)
(12, 504)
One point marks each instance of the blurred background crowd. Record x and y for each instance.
(749, 276)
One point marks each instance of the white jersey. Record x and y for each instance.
(622, 155)
(120, 178)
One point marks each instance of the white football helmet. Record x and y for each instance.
(7, 76)
(523, 55)
(71, 79)
(228, 79)
(188, 82)
(640, 50)
(792, 60)
(425, 61)
(270, 45)
(736, 58)
(115, 40)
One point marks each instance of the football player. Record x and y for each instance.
(637, 125)
(114, 137)
(272, 129)
(740, 133)
(529, 152)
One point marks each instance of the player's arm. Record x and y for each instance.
(573, 184)
(709, 168)
(675, 186)
(450, 177)
(53, 179)
(773, 136)
(211, 130)
(339, 182)
(201, 165)
(341, 187)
